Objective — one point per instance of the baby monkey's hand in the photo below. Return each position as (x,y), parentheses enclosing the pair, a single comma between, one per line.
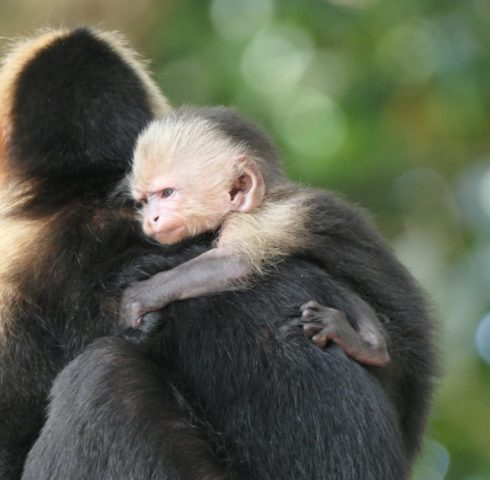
(324,325)
(139,299)
(134,304)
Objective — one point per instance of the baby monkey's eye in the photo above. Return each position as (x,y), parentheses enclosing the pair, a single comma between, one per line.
(167,192)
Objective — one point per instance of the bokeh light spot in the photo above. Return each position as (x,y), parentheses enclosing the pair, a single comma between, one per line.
(482,338)
(474,195)
(331,72)
(434,462)
(276,58)
(238,19)
(410,51)
(312,124)
(485,192)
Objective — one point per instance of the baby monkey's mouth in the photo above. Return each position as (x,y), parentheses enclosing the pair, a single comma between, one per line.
(171,235)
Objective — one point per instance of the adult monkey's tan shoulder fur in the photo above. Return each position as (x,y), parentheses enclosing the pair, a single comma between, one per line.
(27,234)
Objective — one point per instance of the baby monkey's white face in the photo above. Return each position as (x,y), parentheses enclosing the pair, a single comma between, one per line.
(184,191)
(173,209)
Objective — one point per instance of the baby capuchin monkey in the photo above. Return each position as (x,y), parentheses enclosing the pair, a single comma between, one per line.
(208,169)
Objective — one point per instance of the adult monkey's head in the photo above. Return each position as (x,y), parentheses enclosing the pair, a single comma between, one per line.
(72,103)
(76,128)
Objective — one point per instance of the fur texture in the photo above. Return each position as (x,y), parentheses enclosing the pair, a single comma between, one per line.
(220,387)
(270,406)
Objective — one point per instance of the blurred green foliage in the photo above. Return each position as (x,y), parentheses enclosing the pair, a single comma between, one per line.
(387,102)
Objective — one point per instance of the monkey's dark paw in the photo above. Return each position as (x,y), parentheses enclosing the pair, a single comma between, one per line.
(321,323)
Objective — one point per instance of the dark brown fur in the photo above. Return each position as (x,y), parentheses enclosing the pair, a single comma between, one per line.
(256,404)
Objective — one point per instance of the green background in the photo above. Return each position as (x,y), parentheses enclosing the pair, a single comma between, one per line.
(386,101)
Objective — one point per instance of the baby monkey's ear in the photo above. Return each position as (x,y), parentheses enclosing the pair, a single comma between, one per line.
(247,188)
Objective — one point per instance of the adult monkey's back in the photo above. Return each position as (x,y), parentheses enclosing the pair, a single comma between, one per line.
(76,106)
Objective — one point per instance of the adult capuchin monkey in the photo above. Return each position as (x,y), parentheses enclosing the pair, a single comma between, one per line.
(201,169)
(222,391)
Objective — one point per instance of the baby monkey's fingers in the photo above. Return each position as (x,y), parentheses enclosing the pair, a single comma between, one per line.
(325,325)
(133,305)
(319,322)
(311,321)
(131,314)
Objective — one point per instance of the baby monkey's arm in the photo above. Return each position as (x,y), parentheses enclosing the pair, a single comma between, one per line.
(217,270)
(220,270)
